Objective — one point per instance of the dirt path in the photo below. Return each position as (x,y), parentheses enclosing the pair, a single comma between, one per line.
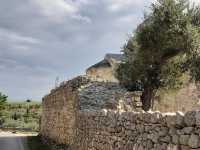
(10,141)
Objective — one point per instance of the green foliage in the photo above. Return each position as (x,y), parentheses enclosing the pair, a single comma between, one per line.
(11,123)
(22,115)
(195,15)
(3,100)
(164,46)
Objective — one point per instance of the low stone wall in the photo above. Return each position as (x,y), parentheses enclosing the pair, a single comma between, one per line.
(137,131)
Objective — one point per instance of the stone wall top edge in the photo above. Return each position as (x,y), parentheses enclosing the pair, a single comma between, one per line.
(66,84)
(106,112)
(178,119)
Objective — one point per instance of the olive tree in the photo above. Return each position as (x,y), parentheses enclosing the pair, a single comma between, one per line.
(164,47)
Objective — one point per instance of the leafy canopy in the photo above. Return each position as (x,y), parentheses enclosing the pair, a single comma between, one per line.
(164,46)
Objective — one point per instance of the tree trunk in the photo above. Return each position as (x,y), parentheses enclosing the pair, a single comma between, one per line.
(146,98)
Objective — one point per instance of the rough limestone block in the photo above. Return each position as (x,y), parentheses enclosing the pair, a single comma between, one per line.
(194,141)
(166,139)
(174,119)
(197,116)
(163,131)
(175,139)
(182,147)
(172,131)
(188,130)
(190,118)
(184,139)
(172,147)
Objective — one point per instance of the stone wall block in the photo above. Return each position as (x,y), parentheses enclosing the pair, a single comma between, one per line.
(175,139)
(197,116)
(184,139)
(190,118)
(175,119)
(194,141)
(188,130)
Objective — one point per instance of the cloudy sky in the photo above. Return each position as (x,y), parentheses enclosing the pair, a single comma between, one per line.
(44,39)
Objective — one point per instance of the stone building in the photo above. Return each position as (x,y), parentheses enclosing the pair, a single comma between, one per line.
(105,69)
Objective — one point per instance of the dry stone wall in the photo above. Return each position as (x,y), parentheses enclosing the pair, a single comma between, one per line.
(106,95)
(137,131)
(61,106)
(59,112)
(87,115)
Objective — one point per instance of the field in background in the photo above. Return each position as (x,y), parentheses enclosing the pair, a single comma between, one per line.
(22,116)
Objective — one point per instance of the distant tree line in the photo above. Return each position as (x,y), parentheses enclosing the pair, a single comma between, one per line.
(3,100)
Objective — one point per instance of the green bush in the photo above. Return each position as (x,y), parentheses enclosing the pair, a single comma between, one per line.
(10,123)
(21,115)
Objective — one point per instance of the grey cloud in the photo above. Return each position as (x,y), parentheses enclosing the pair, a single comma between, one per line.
(36,47)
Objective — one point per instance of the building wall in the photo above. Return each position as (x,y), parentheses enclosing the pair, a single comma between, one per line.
(102,74)
(184,99)
(137,131)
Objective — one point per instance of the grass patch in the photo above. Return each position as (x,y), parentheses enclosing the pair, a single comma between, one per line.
(35,143)
(22,115)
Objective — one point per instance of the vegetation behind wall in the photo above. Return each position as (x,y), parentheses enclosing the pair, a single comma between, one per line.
(21,115)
